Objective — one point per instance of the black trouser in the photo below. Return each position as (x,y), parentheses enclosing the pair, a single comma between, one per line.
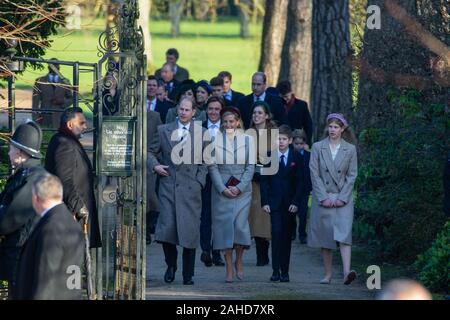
(205,221)
(281,240)
(262,251)
(302,213)
(171,255)
(152,218)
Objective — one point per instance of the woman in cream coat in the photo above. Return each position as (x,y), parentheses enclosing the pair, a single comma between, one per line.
(334,169)
(231,205)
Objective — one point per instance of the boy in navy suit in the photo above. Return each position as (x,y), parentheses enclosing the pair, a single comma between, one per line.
(300,145)
(280,197)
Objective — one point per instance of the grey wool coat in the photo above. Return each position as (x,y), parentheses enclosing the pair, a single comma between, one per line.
(334,180)
(180,197)
(230,225)
(153,121)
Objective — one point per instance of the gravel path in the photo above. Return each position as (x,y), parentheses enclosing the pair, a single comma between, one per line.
(306,271)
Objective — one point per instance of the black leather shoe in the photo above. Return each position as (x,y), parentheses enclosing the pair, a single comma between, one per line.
(206,258)
(284,278)
(275,277)
(188,281)
(218,262)
(169,276)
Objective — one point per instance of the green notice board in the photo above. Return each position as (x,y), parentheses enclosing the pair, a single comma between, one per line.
(118,146)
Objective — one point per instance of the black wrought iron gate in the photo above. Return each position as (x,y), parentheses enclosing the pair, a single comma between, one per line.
(122,189)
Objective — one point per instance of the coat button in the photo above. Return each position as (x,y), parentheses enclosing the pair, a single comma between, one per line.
(327,182)
(178,184)
(326,170)
(339,171)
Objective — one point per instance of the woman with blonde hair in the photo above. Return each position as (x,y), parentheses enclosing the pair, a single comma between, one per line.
(334,168)
(231,173)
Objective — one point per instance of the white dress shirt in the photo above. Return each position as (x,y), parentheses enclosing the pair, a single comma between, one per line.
(213,128)
(286,154)
(335,151)
(183,132)
(151,104)
(228,95)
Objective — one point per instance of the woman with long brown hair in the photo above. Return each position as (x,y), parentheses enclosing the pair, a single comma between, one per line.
(259,221)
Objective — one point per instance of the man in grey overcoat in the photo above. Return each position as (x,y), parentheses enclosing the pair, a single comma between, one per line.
(182,177)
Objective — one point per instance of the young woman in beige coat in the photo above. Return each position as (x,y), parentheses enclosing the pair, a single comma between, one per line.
(334,169)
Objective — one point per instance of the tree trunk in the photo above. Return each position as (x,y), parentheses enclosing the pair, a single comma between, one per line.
(274,28)
(405,60)
(143,22)
(331,78)
(296,58)
(175,11)
(244,12)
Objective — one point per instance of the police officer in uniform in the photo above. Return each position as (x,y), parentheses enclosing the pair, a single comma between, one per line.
(17,216)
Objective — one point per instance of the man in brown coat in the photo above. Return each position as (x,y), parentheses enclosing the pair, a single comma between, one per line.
(51,92)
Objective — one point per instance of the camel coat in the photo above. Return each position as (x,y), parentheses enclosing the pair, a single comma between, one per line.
(334,180)
(180,194)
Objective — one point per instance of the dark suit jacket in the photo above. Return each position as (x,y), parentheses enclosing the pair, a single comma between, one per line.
(235,97)
(153,121)
(300,118)
(67,160)
(162,107)
(285,187)
(307,185)
(172,94)
(56,243)
(181,75)
(276,107)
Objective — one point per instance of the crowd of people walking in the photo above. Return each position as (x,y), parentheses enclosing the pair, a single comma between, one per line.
(254,175)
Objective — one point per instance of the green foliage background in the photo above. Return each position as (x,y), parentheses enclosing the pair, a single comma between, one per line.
(399,208)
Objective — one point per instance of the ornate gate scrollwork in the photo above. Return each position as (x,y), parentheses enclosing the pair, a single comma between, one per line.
(121,156)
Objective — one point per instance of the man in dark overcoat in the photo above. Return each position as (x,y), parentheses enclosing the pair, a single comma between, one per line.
(67,159)
(17,216)
(51,261)
(297,111)
(259,86)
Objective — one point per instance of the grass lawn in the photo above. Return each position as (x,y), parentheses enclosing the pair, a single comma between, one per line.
(205,49)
